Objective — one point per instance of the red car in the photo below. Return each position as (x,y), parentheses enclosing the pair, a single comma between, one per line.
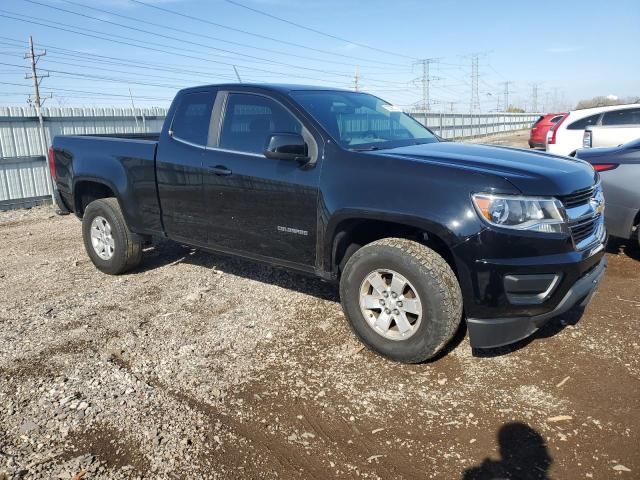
(541,127)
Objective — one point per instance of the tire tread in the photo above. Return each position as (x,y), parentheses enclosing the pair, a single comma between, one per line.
(435,267)
(132,250)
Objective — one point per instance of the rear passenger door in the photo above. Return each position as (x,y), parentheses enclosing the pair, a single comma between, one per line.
(618,127)
(260,206)
(180,168)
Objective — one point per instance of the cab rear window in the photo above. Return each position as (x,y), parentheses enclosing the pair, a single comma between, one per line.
(192,117)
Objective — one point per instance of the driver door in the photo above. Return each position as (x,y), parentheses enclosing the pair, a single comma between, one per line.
(262,207)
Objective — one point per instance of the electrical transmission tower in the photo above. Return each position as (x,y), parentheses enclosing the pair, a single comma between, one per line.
(38,101)
(534,97)
(475,78)
(506,94)
(425,80)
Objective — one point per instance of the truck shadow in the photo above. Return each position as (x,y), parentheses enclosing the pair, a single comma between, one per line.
(167,253)
(523,455)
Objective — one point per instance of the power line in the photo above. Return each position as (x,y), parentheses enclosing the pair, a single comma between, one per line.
(107,60)
(182,52)
(185,55)
(304,27)
(226,27)
(104,94)
(98,77)
(110,69)
(168,27)
(169,37)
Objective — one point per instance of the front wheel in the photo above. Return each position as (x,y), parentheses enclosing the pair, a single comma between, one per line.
(112,247)
(401,299)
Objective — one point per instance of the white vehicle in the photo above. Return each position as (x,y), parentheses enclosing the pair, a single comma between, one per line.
(615,130)
(566,136)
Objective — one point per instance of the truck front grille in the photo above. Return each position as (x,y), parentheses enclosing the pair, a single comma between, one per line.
(583,229)
(577,198)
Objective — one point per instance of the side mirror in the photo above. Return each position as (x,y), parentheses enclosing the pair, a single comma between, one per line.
(287,146)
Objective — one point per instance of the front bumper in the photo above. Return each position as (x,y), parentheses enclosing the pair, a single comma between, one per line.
(496,332)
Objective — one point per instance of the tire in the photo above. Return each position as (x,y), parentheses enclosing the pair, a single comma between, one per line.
(125,248)
(430,281)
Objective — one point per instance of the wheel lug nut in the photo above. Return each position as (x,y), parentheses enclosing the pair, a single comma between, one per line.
(394,294)
(381,301)
(396,312)
(387,311)
(399,303)
(385,294)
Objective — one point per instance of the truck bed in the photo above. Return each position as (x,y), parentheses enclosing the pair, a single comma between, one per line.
(121,162)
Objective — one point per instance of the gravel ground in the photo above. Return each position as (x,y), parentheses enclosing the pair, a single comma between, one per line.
(202,366)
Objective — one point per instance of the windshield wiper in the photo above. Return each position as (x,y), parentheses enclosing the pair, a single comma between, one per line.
(365,149)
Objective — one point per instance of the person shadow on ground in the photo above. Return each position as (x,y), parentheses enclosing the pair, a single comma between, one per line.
(524,456)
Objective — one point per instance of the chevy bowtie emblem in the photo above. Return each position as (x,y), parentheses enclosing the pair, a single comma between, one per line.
(597,203)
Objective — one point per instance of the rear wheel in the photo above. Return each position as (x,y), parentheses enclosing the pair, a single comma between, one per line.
(112,247)
(401,299)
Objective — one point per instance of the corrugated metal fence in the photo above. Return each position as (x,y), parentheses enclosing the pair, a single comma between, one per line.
(469,125)
(23,175)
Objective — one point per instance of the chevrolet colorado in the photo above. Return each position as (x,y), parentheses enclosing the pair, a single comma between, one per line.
(419,233)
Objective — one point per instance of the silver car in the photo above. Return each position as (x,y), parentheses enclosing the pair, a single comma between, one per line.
(619,169)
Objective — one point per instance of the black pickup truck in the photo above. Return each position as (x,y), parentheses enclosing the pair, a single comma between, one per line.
(420,233)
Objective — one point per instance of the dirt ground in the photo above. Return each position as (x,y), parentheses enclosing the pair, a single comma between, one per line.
(202,366)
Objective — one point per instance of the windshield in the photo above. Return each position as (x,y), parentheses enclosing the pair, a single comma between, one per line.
(360,121)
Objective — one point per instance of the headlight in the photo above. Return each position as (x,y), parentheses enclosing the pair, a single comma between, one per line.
(539,214)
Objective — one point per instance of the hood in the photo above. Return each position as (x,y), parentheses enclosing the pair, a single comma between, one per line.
(531,172)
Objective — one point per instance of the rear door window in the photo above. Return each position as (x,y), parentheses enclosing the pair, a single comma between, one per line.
(557,118)
(192,117)
(250,119)
(628,116)
(584,122)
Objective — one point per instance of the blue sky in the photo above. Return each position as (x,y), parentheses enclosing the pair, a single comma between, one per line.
(571,49)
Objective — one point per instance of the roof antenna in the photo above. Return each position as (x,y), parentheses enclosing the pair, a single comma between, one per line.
(237,74)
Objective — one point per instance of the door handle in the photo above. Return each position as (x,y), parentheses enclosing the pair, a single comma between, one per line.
(221,170)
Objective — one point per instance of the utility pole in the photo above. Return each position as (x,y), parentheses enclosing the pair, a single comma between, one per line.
(356,80)
(475,77)
(34,57)
(425,80)
(506,94)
